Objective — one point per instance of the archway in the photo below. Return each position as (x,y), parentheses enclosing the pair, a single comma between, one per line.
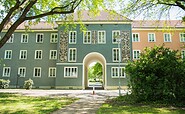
(88,59)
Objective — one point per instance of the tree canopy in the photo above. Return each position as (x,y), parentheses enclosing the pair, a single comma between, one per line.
(15,12)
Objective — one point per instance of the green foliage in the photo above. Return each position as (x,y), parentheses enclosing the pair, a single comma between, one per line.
(95,71)
(4,83)
(28,84)
(159,74)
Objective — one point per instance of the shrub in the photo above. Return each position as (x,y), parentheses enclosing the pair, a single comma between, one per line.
(159,74)
(28,84)
(4,83)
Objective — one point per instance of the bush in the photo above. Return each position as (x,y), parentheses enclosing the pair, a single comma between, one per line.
(159,74)
(28,84)
(4,83)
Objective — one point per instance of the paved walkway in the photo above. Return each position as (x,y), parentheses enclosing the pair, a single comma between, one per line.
(88,103)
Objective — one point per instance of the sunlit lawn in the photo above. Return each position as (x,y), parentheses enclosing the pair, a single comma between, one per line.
(19,104)
(122,107)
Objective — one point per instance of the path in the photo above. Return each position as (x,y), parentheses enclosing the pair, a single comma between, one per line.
(87,103)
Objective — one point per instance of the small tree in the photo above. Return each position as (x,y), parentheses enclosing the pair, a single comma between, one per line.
(159,74)
(4,83)
(28,84)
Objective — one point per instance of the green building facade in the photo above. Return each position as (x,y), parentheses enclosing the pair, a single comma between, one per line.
(55,58)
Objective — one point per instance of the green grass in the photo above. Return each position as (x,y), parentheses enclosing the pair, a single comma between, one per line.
(123,106)
(19,104)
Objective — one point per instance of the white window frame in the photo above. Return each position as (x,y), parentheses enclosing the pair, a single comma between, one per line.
(87,37)
(5,73)
(73,55)
(53,54)
(183,54)
(134,39)
(117,54)
(8,54)
(52,72)
(36,54)
(73,37)
(122,75)
(22,52)
(37,68)
(41,40)
(168,39)
(22,71)
(114,39)
(70,74)
(102,40)
(10,40)
(54,38)
(137,56)
(24,38)
(150,39)
(182,37)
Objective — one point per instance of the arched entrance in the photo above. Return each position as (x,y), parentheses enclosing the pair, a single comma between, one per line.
(88,59)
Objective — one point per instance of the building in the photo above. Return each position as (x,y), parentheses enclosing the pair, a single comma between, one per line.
(55,58)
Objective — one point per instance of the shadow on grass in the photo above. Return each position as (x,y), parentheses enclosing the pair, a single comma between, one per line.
(122,106)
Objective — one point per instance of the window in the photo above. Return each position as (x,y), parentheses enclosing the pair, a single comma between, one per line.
(24,38)
(8,54)
(10,40)
(70,71)
(116,54)
(72,55)
(22,71)
(151,37)
(115,72)
(87,37)
(52,71)
(37,72)
(182,37)
(39,37)
(23,54)
(38,54)
(135,37)
(53,54)
(167,37)
(183,54)
(6,71)
(115,34)
(72,37)
(101,37)
(136,54)
(54,38)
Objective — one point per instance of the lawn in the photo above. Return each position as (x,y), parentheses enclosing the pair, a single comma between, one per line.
(19,104)
(121,106)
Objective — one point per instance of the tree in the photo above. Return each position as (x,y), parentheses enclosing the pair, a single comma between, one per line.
(15,12)
(155,8)
(95,71)
(158,75)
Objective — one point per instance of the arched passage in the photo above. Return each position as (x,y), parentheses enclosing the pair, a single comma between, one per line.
(88,59)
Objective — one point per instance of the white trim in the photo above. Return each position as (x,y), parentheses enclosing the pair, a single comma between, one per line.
(55,57)
(118,72)
(42,34)
(52,68)
(119,56)
(72,37)
(40,71)
(72,54)
(76,73)
(97,22)
(169,37)
(51,38)
(154,37)
(20,73)
(5,54)
(137,55)
(11,39)
(36,54)
(113,34)
(27,36)
(102,31)
(85,34)
(8,73)
(180,37)
(20,54)
(138,36)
